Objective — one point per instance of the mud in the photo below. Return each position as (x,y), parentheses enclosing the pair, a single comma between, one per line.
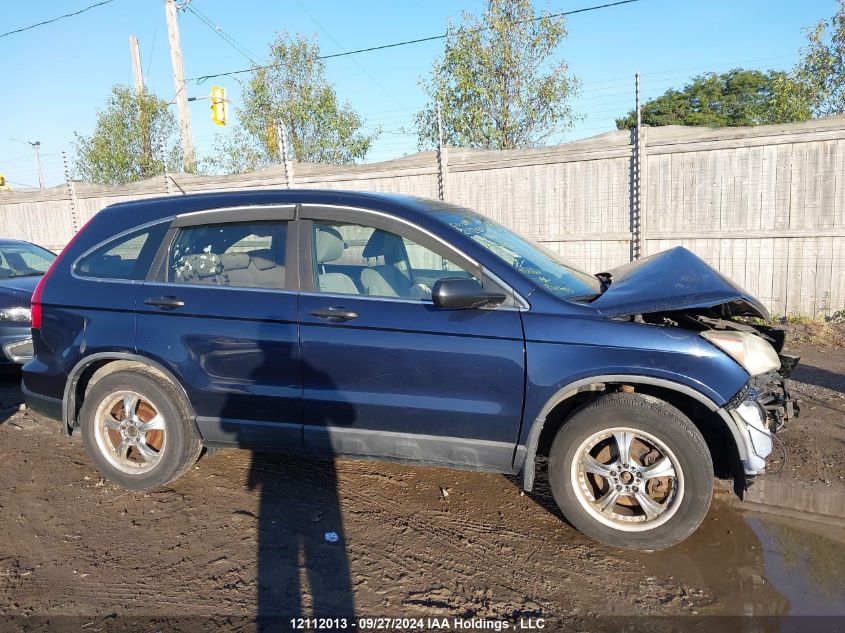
(244,534)
(814,444)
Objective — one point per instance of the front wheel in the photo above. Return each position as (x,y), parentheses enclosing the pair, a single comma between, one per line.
(632,471)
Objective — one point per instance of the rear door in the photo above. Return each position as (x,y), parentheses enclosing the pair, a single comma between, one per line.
(220,310)
(385,372)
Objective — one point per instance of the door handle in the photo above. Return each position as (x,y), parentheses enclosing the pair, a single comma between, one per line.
(167,303)
(335,313)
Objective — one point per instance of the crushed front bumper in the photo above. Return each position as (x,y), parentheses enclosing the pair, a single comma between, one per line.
(759,410)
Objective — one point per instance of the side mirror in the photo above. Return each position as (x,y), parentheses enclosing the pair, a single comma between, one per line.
(460,293)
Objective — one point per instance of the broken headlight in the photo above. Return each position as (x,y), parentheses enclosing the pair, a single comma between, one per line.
(746,348)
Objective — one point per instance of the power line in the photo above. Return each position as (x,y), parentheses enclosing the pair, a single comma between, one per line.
(231,41)
(20,184)
(152,48)
(203,78)
(61,17)
(355,61)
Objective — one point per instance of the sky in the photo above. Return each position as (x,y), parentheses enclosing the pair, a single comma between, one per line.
(55,77)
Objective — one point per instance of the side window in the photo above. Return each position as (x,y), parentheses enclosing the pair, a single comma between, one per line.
(36,261)
(127,257)
(356,259)
(238,254)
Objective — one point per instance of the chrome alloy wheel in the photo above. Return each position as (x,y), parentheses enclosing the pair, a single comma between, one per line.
(627,479)
(130,432)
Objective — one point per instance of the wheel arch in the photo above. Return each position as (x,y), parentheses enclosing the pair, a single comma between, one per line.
(92,368)
(723,438)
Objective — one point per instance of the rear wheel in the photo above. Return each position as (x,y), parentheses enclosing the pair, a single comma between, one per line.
(136,430)
(631,471)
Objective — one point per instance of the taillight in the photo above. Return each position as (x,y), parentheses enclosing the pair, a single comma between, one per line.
(36,298)
(39,289)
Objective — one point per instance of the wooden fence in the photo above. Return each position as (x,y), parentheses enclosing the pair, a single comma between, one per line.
(765,205)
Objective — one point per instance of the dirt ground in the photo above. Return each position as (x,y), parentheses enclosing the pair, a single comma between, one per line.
(243,534)
(815,442)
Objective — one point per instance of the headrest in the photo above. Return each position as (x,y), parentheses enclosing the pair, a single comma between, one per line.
(383,244)
(234,261)
(201,265)
(330,245)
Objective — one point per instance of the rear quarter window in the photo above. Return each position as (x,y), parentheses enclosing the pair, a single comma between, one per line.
(126,257)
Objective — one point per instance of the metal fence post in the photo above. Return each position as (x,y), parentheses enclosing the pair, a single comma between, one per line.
(167,184)
(71,190)
(442,158)
(284,155)
(638,245)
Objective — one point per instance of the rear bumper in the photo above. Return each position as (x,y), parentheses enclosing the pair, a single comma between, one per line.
(43,405)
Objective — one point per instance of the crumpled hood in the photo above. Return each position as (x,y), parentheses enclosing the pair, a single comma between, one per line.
(673,280)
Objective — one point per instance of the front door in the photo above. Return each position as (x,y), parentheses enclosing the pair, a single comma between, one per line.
(385,372)
(222,315)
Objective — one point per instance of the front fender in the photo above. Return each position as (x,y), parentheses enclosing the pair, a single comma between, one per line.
(561,350)
(565,354)
(527,468)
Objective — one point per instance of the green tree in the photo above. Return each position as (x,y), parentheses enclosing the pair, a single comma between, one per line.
(292,90)
(818,80)
(737,97)
(497,84)
(125,145)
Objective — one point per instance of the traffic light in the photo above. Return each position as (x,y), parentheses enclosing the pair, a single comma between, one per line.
(218,105)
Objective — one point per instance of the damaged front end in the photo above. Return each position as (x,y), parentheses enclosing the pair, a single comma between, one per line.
(675,288)
(763,405)
(759,410)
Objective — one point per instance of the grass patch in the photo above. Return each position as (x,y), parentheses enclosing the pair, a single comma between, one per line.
(801,329)
(820,331)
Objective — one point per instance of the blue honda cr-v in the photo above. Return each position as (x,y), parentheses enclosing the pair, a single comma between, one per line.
(405,329)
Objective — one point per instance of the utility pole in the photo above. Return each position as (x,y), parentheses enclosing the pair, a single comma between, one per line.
(146,140)
(179,84)
(36,149)
(135,51)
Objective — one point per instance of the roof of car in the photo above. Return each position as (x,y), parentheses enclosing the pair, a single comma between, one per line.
(7,240)
(175,205)
(126,215)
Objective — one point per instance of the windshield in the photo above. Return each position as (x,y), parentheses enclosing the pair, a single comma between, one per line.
(20,259)
(539,264)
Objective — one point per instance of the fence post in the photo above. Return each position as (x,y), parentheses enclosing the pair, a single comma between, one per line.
(71,189)
(284,155)
(638,239)
(442,158)
(167,185)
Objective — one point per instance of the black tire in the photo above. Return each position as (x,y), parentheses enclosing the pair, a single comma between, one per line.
(183,443)
(661,421)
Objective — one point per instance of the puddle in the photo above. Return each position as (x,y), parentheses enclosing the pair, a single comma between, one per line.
(804,562)
(757,565)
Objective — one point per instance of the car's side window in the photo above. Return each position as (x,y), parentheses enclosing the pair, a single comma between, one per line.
(238,254)
(126,257)
(356,259)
